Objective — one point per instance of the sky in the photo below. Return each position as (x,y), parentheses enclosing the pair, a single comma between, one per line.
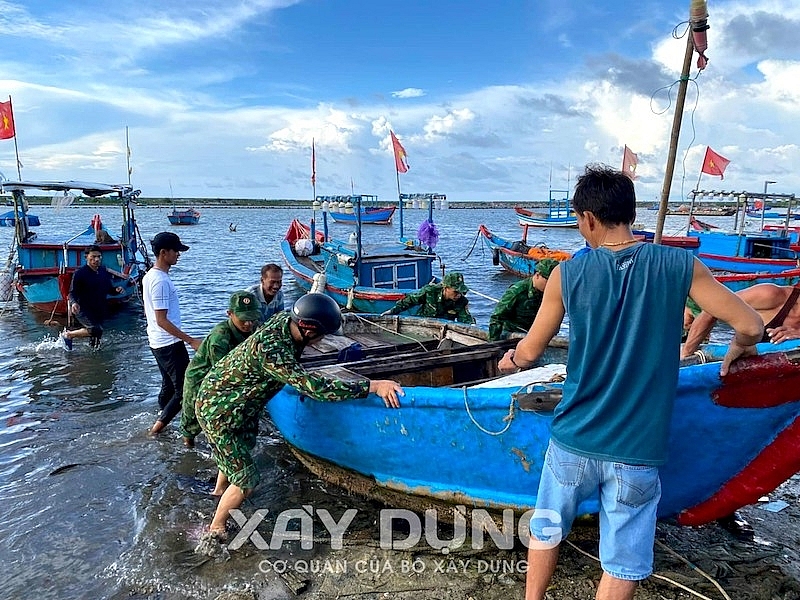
(491,100)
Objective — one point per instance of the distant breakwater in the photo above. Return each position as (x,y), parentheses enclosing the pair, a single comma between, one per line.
(306,204)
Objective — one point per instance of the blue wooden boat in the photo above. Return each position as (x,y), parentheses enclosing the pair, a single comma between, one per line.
(766,251)
(9,219)
(559,213)
(732,441)
(517,257)
(342,209)
(367,278)
(46,260)
(188,216)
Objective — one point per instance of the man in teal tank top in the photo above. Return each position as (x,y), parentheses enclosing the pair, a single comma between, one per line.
(625,302)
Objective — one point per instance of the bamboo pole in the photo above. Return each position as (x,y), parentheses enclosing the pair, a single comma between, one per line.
(673,143)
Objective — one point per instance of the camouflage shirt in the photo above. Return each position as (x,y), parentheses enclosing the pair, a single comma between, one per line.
(516,310)
(432,303)
(219,341)
(236,390)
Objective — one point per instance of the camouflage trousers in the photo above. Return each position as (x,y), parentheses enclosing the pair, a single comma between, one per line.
(232,449)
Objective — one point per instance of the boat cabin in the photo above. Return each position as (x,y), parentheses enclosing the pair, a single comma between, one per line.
(383,266)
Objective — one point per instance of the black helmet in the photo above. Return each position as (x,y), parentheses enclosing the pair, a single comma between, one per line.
(317,311)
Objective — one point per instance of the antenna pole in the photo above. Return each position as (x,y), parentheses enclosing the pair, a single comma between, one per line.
(673,143)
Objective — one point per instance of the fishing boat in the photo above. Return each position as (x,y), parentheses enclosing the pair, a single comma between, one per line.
(47,260)
(559,213)
(732,440)
(375,338)
(342,209)
(518,257)
(703,211)
(367,278)
(765,251)
(188,216)
(9,219)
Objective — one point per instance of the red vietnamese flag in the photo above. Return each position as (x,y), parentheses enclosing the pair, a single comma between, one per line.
(629,162)
(400,156)
(6,121)
(714,164)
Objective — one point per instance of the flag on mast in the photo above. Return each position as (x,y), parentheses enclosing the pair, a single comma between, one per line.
(629,162)
(313,163)
(6,120)
(400,156)
(714,164)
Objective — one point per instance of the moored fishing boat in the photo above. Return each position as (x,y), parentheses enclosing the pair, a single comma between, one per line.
(518,257)
(9,219)
(559,213)
(188,216)
(368,278)
(744,252)
(732,439)
(46,260)
(342,209)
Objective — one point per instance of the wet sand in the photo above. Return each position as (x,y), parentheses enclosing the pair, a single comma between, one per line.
(707,561)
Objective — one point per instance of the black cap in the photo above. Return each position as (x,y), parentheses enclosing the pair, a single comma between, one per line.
(166,240)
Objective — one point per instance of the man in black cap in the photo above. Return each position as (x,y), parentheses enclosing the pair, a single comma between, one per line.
(167,340)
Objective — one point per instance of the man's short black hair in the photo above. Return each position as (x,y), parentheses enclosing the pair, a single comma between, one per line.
(93,248)
(607,193)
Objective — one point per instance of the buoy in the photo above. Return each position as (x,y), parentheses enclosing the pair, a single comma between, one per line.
(319,283)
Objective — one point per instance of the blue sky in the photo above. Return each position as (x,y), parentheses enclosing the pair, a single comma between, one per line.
(222,98)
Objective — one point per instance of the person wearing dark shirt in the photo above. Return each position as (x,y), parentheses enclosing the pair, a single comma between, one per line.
(91,285)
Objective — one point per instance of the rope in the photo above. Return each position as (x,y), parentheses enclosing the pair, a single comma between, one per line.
(667,579)
(695,567)
(471,291)
(472,246)
(508,418)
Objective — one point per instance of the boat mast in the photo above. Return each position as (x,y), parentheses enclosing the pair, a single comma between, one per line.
(400,201)
(673,143)
(128,154)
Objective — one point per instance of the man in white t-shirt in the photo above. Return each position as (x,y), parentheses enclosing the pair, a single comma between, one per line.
(166,339)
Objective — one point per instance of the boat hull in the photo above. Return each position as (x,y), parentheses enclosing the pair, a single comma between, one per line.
(509,255)
(556,216)
(184,217)
(369,216)
(494,446)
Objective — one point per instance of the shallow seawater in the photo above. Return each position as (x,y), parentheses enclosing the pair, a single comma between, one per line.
(93,507)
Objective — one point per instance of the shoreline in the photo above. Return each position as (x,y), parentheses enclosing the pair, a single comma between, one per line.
(207,203)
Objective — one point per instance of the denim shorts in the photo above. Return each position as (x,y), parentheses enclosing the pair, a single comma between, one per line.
(629,496)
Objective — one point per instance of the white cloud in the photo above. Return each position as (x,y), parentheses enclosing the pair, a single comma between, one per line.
(409,93)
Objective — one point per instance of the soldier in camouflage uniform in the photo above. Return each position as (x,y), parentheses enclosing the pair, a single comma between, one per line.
(244,314)
(518,307)
(444,300)
(233,395)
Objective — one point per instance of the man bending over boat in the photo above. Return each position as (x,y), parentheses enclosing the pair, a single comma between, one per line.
(236,390)
(520,303)
(625,302)
(776,305)
(446,300)
(244,315)
(88,297)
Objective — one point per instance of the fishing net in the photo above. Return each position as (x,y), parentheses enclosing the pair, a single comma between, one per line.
(428,234)
(62,200)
